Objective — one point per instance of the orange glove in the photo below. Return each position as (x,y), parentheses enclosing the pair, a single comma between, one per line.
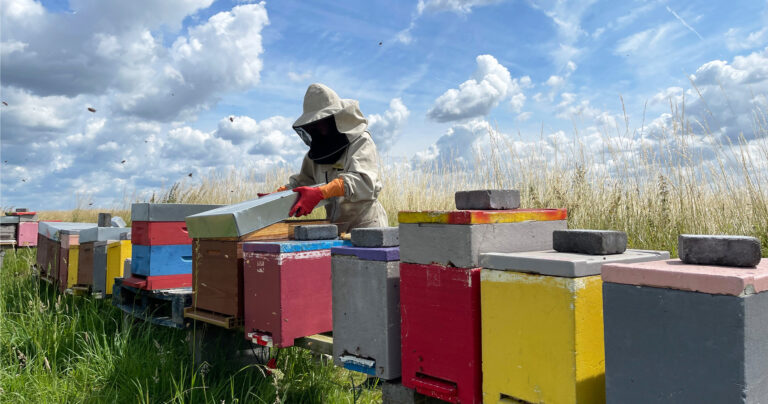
(281,189)
(309,197)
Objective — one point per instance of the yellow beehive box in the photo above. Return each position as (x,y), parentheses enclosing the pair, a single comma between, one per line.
(74,253)
(542,325)
(117,252)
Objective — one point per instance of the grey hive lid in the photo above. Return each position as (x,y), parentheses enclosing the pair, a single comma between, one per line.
(242,218)
(51,230)
(102,233)
(166,212)
(568,265)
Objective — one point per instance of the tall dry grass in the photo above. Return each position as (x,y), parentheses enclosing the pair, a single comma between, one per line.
(653,186)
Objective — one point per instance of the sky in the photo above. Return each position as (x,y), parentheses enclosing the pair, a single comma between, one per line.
(102,99)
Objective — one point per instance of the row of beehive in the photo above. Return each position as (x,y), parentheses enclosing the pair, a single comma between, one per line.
(538,337)
(506,326)
(82,256)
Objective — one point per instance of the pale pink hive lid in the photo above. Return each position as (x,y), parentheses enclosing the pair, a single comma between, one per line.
(674,274)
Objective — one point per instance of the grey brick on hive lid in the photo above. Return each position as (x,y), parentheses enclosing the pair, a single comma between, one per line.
(488,199)
(593,242)
(734,251)
(376,237)
(316,232)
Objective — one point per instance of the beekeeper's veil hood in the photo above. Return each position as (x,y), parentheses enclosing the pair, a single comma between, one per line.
(328,123)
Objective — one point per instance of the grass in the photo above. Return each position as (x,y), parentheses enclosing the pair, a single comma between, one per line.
(63,349)
(654,187)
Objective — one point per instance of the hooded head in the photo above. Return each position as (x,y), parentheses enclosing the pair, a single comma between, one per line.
(328,123)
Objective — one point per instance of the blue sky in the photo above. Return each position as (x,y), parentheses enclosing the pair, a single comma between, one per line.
(432,76)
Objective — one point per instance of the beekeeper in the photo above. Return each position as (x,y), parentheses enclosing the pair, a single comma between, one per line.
(342,157)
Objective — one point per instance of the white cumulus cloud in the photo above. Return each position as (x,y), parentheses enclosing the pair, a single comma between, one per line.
(454,149)
(385,128)
(489,85)
(109,109)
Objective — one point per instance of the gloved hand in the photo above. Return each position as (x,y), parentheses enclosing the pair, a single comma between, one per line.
(309,197)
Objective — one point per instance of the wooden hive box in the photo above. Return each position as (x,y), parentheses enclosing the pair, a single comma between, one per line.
(85,264)
(217,272)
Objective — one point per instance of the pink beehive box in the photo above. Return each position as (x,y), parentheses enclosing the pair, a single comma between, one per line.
(27,236)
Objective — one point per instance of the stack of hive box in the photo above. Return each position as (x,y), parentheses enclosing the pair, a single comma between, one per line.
(162,248)
(217,253)
(542,322)
(440,284)
(693,330)
(94,272)
(8,226)
(366,303)
(49,246)
(287,286)
(18,228)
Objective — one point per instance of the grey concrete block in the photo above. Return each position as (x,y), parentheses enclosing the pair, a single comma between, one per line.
(672,346)
(733,251)
(366,312)
(167,212)
(392,392)
(568,265)
(102,233)
(316,232)
(461,245)
(104,220)
(595,242)
(126,235)
(488,199)
(374,237)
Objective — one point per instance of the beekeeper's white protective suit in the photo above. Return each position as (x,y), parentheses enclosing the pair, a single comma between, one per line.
(351,156)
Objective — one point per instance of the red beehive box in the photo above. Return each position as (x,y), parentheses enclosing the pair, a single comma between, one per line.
(440,310)
(159,233)
(287,290)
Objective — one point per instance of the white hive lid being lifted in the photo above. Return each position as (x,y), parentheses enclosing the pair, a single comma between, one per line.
(242,218)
